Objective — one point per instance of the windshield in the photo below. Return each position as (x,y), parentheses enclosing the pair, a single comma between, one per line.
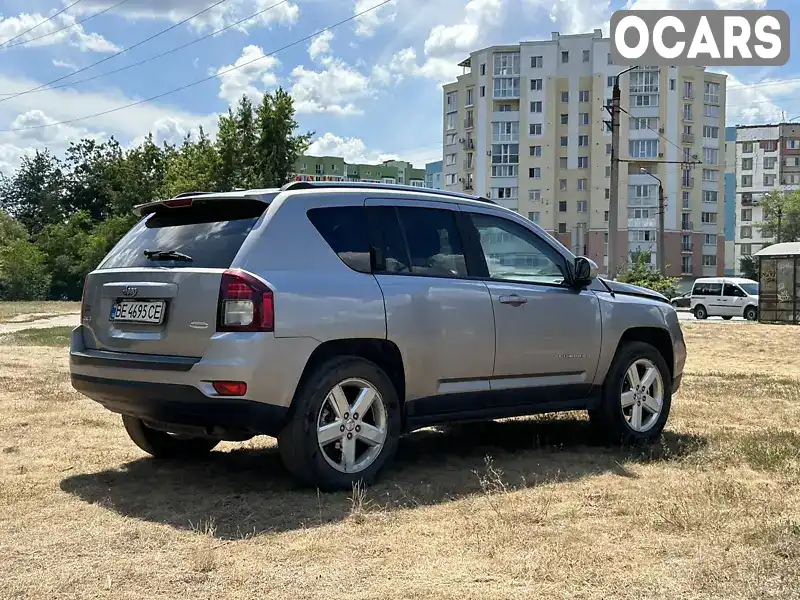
(751,289)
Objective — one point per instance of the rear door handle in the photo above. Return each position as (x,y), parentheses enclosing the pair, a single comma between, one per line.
(513,300)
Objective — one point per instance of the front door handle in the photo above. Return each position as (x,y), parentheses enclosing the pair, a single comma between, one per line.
(513,300)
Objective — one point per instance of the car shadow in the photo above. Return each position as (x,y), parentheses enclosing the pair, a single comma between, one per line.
(248,492)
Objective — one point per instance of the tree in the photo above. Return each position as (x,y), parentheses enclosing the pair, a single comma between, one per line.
(781,208)
(66,247)
(193,167)
(748,265)
(640,271)
(23,272)
(278,147)
(35,192)
(11,229)
(91,177)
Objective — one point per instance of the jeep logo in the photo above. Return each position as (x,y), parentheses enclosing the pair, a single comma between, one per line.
(129,291)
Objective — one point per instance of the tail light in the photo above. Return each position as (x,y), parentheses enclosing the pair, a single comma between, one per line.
(230,388)
(83,298)
(245,303)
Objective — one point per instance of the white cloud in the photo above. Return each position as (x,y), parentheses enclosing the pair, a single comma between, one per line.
(320,48)
(404,64)
(354,150)
(367,24)
(216,18)
(447,41)
(246,78)
(334,90)
(760,101)
(64,64)
(581,16)
(75,36)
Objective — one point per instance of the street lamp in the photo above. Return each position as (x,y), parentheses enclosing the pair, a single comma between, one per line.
(660,244)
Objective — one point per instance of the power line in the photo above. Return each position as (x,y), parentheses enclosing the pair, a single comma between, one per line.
(146,60)
(75,24)
(661,135)
(199,81)
(48,19)
(144,41)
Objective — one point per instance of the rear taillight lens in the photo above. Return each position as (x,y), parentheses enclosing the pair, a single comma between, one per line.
(230,388)
(245,303)
(83,298)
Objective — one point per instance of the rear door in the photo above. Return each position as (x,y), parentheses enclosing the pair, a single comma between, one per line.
(715,303)
(734,299)
(142,302)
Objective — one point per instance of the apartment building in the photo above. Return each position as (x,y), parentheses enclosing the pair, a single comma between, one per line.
(767,159)
(730,201)
(334,168)
(433,175)
(526,126)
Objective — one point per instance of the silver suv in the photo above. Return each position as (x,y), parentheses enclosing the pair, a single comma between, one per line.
(337,317)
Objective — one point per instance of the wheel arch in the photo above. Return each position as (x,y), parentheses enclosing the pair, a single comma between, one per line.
(657,337)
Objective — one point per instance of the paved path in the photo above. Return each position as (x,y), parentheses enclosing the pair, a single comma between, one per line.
(685,315)
(70,320)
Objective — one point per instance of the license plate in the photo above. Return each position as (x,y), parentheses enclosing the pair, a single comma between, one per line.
(138,311)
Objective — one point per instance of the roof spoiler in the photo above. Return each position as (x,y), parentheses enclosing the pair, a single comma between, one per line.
(187,199)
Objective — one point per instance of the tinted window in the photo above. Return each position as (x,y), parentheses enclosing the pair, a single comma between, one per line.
(210,232)
(514,253)
(392,256)
(707,289)
(345,230)
(732,290)
(434,244)
(750,288)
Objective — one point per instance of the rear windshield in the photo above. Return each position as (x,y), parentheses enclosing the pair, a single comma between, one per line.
(209,232)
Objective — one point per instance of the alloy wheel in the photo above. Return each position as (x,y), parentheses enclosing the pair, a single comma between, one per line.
(352,426)
(642,397)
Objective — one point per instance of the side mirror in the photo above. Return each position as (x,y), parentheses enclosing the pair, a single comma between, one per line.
(585,271)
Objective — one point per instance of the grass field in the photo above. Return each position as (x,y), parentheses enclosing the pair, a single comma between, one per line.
(520,509)
(26,312)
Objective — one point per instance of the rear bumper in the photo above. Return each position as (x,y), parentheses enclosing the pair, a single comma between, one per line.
(184,406)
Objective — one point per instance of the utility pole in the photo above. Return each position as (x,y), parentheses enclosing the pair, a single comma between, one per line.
(662,208)
(780,218)
(613,201)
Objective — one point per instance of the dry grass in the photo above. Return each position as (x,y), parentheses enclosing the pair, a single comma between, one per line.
(26,312)
(500,510)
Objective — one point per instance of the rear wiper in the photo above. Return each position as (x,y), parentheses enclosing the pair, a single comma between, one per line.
(167,255)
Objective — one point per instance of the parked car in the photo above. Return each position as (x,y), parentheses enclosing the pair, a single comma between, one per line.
(725,297)
(337,317)
(682,301)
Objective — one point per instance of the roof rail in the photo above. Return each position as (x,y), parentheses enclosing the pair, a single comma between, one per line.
(310,185)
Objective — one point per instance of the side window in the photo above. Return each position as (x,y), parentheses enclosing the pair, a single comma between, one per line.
(344,228)
(514,253)
(392,256)
(732,290)
(713,289)
(434,243)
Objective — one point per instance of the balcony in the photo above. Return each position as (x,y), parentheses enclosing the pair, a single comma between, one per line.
(687,248)
(688,138)
(468,185)
(687,183)
(688,95)
(687,226)
(468,144)
(749,201)
(469,123)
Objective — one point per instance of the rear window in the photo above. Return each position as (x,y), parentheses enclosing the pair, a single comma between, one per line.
(345,230)
(707,289)
(209,232)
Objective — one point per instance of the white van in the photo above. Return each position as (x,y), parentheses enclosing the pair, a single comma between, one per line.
(725,297)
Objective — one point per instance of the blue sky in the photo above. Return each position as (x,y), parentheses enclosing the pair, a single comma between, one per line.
(369,89)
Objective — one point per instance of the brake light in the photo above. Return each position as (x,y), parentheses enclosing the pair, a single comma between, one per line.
(245,303)
(83,297)
(230,388)
(178,203)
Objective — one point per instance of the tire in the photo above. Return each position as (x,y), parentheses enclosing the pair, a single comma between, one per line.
(751,313)
(700,312)
(728,318)
(161,444)
(610,419)
(319,464)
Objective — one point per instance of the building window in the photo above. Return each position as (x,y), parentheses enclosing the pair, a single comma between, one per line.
(503,108)
(746,249)
(564,57)
(710,156)
(643,149)
(746,231)
(608,172)
(747,147)
(770,161)
(537,62)
(450,121)
(534,217)
(562,162)
(535,129)
(747,214)
(747,181)
(583,96)
(711,133)
(709,196)
(470,97)
(506,87)
(688,90)
(710,239)
(450,139)
(644,82)
(583,118)
(605,218)
(711,110)
(769,179)
(610,81)
(687,112)
(608,151)
(583,162)
(506,64)
(747,164)
(793,144)
(505,131)
(535,173)
(585,56)
(483,68)
(582,188)
(672,84)
(710,175)
(564,141)
(709,260)
(610,60)
(318,169)
(504,193)
(534,195)
(562,185)
(483,91)
(562,228)
(638,123)
(565,97)
(709,218)
(536,85)
(564,119)
(644,100)
(686,264)
(711,93)
(536,107)
(582,206)
(583,141)
(536,150)
(451,101)
(562,206)
(607,193)
(769,146)
(450,178)
(450,160)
